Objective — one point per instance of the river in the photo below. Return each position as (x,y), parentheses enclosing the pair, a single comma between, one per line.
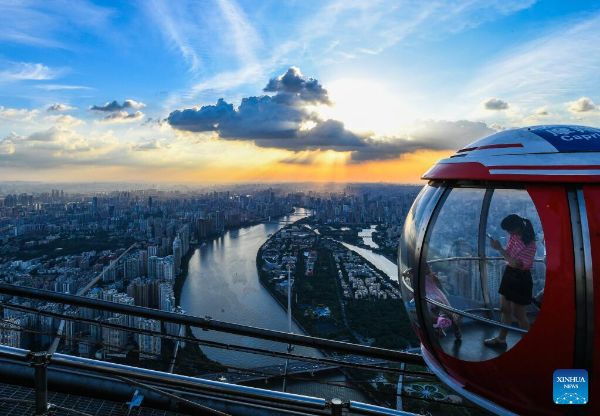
(367,236)
(379,261)
(223,282)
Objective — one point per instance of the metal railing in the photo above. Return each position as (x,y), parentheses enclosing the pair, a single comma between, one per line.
(207,323)
(465,313)
(161,383)
(206,387)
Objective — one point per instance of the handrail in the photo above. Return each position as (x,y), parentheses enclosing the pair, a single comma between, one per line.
(215,344)
(409,270)
(472,316)
(536,260)
(191,384)
(207,323)
(172,380)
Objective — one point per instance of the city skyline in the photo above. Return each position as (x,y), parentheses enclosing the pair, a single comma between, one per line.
(230,91)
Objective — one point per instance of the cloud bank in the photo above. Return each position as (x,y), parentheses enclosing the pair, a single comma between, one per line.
(279,121)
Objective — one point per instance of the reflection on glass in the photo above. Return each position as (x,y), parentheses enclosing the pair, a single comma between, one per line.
(406,250)
(453,277)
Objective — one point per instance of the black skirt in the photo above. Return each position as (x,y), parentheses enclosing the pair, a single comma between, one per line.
(517,285)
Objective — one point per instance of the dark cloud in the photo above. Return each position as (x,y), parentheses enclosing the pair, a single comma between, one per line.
(272,121)
(284,121)
(60,107)
(122,117)
(114,106)
(207,118)
(293,86)
(495,104)
(266,122)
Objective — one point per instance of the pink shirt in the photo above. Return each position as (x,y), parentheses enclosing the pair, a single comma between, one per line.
(522,252)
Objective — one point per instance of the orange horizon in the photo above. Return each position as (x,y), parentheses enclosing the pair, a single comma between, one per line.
(407,169)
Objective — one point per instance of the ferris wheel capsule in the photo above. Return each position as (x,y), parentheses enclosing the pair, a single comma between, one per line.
(498,262)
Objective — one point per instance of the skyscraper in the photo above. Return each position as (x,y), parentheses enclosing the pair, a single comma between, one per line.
(177,253)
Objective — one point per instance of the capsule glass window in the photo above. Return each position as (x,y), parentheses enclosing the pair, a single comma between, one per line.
(465,275)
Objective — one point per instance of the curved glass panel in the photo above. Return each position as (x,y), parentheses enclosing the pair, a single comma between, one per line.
(406,250)
(463,274)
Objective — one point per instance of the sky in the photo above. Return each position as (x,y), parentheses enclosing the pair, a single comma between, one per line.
(213,91)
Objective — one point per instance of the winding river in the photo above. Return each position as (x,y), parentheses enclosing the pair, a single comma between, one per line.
(223,283)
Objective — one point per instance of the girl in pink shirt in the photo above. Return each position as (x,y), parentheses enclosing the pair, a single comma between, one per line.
(517,285)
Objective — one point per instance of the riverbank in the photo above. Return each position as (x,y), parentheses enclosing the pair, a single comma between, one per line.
(181,278)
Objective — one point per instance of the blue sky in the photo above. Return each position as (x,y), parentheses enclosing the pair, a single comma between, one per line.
(400,77)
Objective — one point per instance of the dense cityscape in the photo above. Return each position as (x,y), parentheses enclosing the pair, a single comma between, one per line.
(134,246)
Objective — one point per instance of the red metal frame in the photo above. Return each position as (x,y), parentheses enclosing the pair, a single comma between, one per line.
(521,379)
(591,195)
(477,171)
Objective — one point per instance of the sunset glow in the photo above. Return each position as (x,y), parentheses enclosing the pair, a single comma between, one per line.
(188,93)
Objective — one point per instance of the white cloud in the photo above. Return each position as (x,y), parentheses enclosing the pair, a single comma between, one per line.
(583,105)
(559,63)
(64,120)
(23,71)
(542,112)
(51,23)
(152,144)
(192,30)
(7,147)
(57,87)
(370,27)
(17,115)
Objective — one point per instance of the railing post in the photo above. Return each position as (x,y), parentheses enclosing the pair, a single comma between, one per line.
(336,407)
(40,361)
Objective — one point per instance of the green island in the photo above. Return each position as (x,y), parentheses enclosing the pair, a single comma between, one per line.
(325,304)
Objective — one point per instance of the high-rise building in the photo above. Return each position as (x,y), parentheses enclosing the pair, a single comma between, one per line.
(113,339)
(166,297)
(177,253)
(144,292)
(152,267)
(152,251)
(131,267)
(10,332)
(111,273)
(165,269)
(149,345)
(70,331)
